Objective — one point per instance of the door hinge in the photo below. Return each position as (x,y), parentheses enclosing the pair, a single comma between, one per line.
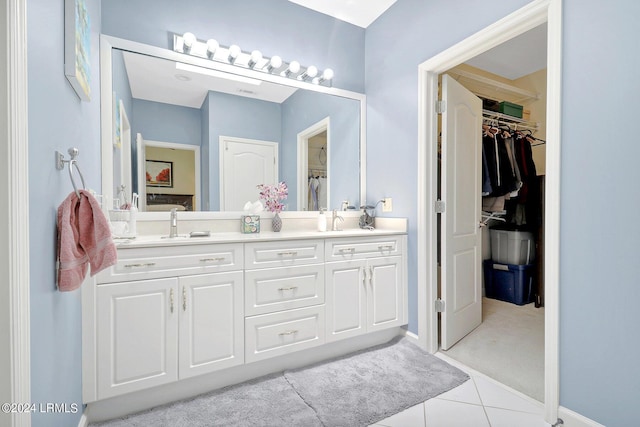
(441,106)
(439,306)
(439,206)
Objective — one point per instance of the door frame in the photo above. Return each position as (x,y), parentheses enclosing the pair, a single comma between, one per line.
(15,323)
(176,146)
(303,159)
(535,13)
(222,144)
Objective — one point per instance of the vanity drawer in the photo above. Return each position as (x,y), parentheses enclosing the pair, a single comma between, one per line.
(283,254)
(157,262)
(284,288)
(275,334)
(345,249)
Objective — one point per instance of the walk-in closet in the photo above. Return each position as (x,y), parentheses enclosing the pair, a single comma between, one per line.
(510,82)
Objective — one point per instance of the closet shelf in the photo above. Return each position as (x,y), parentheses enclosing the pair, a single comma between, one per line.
(510,120)
(513,93)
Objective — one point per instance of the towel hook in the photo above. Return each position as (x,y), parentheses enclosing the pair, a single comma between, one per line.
(60,161)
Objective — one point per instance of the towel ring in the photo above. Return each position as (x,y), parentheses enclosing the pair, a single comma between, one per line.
(60,161)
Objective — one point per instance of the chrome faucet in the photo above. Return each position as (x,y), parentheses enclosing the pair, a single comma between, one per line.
(173,231)
(334,219)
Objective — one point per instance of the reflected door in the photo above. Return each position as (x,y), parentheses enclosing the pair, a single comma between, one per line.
(245,163)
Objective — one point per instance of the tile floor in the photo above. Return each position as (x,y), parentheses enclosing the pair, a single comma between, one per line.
(479,402)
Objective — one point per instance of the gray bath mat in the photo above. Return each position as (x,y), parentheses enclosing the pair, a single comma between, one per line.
(365,387)
(268,401)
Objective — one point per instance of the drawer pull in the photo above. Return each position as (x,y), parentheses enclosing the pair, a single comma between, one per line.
(290,288)
(212,259)
(147,264)
(291,253)
(288,332)
(171,300)
(343,250)
(383,247)
(184,298)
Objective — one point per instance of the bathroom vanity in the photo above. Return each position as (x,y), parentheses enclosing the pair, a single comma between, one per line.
(174,309)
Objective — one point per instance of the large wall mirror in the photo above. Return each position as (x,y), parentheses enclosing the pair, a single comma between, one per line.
(185,132)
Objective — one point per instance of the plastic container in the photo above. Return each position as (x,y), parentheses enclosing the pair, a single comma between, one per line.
(512,246)
(322,220)
(511,109)
(510,283)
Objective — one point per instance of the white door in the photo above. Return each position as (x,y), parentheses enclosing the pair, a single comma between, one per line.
(461,244)
(142,181)
(245,163)
(211,323)
(137,330)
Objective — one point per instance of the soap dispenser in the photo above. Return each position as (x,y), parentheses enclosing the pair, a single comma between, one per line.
(322,221)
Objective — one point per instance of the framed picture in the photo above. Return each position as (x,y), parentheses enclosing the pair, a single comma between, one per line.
(77,47)
(159,173)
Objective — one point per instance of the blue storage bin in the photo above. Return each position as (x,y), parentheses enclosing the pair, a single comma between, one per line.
(509,282)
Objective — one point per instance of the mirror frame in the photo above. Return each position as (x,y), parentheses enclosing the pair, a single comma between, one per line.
(108,43)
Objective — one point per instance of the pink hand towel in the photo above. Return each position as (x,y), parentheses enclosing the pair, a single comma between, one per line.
(84,238)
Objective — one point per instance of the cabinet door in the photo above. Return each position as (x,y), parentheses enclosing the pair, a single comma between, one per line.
(346,312)
(137,335)
(385,293)
(211,323)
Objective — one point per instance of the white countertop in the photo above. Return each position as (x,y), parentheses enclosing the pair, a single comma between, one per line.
(238,237)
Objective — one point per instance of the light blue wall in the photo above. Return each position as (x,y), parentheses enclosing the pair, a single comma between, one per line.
(238,117)
(599,228)
(167,123)
(57,120)
(302,110)
(275,27)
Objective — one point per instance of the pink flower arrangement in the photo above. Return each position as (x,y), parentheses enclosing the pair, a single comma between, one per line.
(272,195)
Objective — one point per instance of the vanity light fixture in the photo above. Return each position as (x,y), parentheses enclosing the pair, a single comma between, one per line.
(212,50)
(215,73)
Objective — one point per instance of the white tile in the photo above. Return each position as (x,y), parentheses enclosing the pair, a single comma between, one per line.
(496,396)
(440,413)
(412,417)
(465,393)
(506,418)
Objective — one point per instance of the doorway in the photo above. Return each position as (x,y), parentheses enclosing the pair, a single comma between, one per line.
(313,166)
(519,22)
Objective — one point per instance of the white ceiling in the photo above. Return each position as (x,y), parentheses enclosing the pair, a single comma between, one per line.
(358,12)
(156,79)
(518,57)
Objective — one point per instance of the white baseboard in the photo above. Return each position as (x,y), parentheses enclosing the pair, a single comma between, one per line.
(84,421)
(573,419)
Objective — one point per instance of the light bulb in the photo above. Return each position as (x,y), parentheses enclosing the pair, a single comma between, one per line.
(293,68)
(310,73)
(188,39)
(256,56)
(328,74)
(274,63)
(212,46)
(234,52)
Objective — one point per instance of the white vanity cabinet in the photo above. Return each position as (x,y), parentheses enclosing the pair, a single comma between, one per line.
(172,326)
(168,312)
(365,285)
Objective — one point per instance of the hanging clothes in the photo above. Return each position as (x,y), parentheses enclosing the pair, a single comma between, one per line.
(312,203)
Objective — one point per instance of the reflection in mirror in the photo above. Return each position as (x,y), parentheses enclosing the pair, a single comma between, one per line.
(239,125)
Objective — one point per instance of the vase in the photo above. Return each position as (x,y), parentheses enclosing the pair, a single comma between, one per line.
(276,223)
